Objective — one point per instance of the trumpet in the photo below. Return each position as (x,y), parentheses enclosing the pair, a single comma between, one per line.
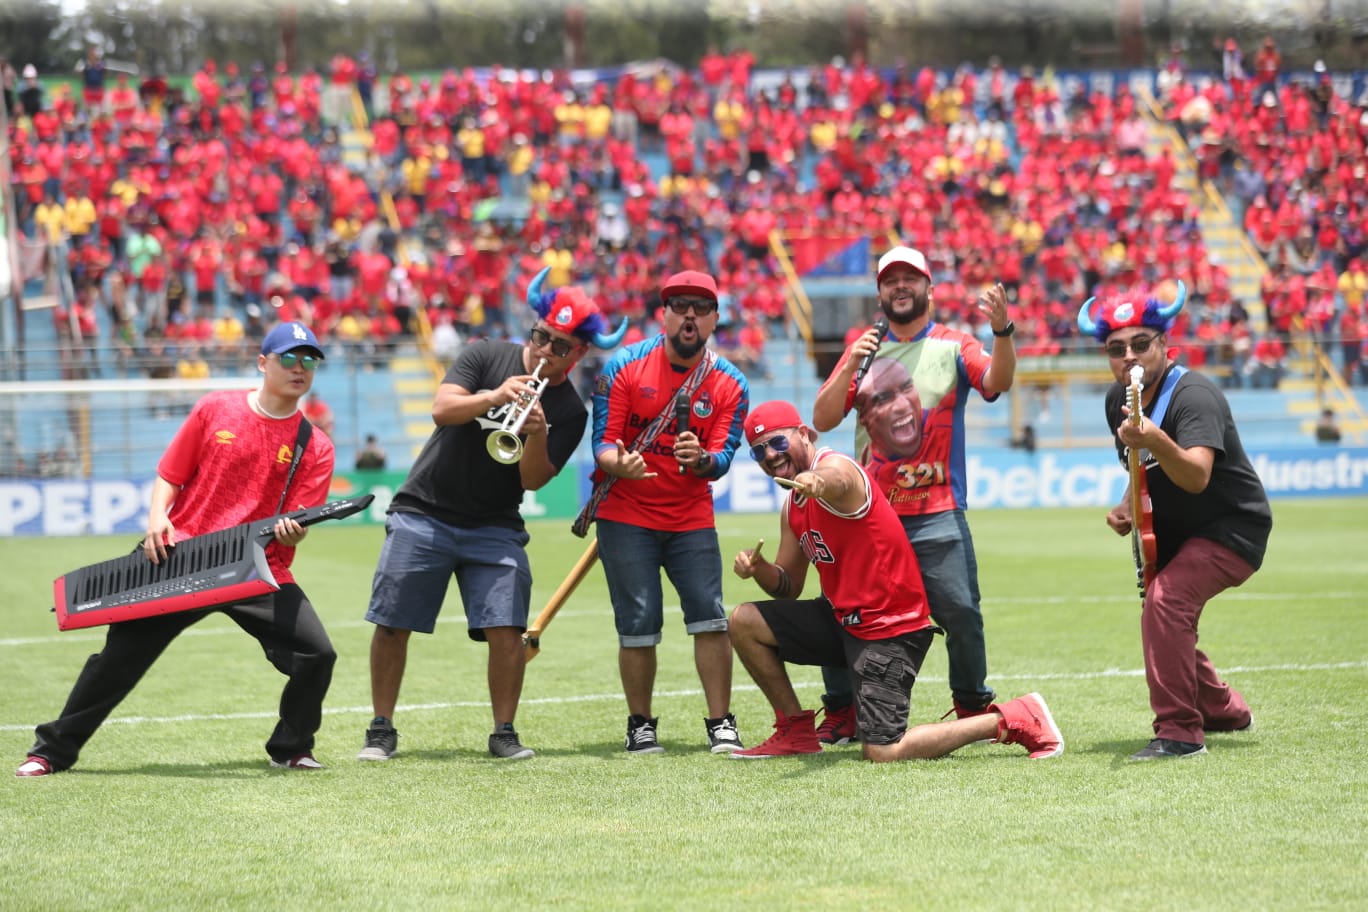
(504,444)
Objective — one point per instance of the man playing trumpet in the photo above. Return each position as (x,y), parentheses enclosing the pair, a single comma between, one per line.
(457,513)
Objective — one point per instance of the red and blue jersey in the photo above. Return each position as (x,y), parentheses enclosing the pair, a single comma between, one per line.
(868,570)
(636,385)
(231,464)
(945,364)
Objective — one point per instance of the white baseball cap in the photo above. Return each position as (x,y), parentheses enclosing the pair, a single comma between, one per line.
(906,255)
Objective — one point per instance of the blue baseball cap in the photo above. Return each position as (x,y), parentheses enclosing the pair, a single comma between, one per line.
(289,336)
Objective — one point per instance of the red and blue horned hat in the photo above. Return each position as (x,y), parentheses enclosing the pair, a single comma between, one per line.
(1121,312)
(570,310)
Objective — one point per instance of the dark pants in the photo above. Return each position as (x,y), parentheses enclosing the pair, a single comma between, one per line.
(286,626)
(1186,692)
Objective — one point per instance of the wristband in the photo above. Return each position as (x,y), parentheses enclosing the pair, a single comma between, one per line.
(1006,330)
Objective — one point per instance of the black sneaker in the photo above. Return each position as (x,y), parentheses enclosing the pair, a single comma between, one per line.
(723,737)
(381,741)
(1167,749)
(504,744)
(641,736)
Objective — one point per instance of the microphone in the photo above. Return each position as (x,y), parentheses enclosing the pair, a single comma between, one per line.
(881,325)
(681,419)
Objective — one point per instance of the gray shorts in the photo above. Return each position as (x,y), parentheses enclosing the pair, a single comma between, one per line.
(418,559)
(882,671)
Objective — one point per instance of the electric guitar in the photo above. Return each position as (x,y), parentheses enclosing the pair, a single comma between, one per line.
(1144,548)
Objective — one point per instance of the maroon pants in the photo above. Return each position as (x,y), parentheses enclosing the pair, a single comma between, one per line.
(1186,694)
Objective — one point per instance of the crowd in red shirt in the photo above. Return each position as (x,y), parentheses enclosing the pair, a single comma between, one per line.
(260,212)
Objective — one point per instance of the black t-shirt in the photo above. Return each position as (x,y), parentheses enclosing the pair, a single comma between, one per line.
(1233,509)
(454,478)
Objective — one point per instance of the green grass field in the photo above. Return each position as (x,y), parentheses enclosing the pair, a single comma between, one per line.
(173,805)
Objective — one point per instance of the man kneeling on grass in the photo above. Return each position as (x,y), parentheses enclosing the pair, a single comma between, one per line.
(872,617)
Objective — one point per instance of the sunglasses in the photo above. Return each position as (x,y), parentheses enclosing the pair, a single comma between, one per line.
(289,359)
(1138,344)
(779,444)
(541,338)
(701,306)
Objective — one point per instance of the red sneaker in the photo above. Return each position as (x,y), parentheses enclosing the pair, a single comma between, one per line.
(793,735)
(34,766)
(1027,721)
(838,726)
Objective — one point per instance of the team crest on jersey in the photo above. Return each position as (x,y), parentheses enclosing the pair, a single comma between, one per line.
(283,455)
(224,437)
(703,405)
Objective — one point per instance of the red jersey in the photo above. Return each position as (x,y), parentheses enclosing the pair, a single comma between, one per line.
(231,464)
(868,570)
(636,385)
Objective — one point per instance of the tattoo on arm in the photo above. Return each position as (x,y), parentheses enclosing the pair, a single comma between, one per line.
(783,585)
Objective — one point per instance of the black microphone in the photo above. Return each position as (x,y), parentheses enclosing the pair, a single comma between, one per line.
(681,418)
(881,325)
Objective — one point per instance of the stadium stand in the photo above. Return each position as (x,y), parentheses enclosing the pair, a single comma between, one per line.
(403,216)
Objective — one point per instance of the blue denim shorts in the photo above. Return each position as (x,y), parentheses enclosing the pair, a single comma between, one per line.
(633,557)
(418,559)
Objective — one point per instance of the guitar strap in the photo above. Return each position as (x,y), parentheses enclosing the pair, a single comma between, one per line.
(647,436)
(301,444)
(1161,402)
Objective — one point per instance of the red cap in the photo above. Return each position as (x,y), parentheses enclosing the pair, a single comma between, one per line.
(771,416)
(689,281)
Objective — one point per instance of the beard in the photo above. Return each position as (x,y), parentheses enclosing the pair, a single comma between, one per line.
(908,309)
(687,350)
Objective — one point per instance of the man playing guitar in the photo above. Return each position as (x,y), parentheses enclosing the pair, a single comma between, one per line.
(1211,517)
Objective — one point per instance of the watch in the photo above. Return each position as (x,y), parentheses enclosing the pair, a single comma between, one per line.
(1006,330)
(704,462)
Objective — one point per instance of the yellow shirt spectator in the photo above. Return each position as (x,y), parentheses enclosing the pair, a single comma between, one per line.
(127,191)
(1354,288)
(51,217)
(570,118)
(416,173)
(80,215)
(562,264)
(192,366)
(728,114)
(1030,235)
(472,142)
(823,135)
(520,159)
(597,120)
(539,193)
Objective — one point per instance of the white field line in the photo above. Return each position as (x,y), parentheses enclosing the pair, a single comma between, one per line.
(695,692)
(96,634)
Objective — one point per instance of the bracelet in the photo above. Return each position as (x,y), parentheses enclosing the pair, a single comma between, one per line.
(1006,330)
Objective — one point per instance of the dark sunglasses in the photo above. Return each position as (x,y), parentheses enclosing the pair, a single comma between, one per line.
(559,347)
(779,444)
(289,359)
(701,306)
(1138,344)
